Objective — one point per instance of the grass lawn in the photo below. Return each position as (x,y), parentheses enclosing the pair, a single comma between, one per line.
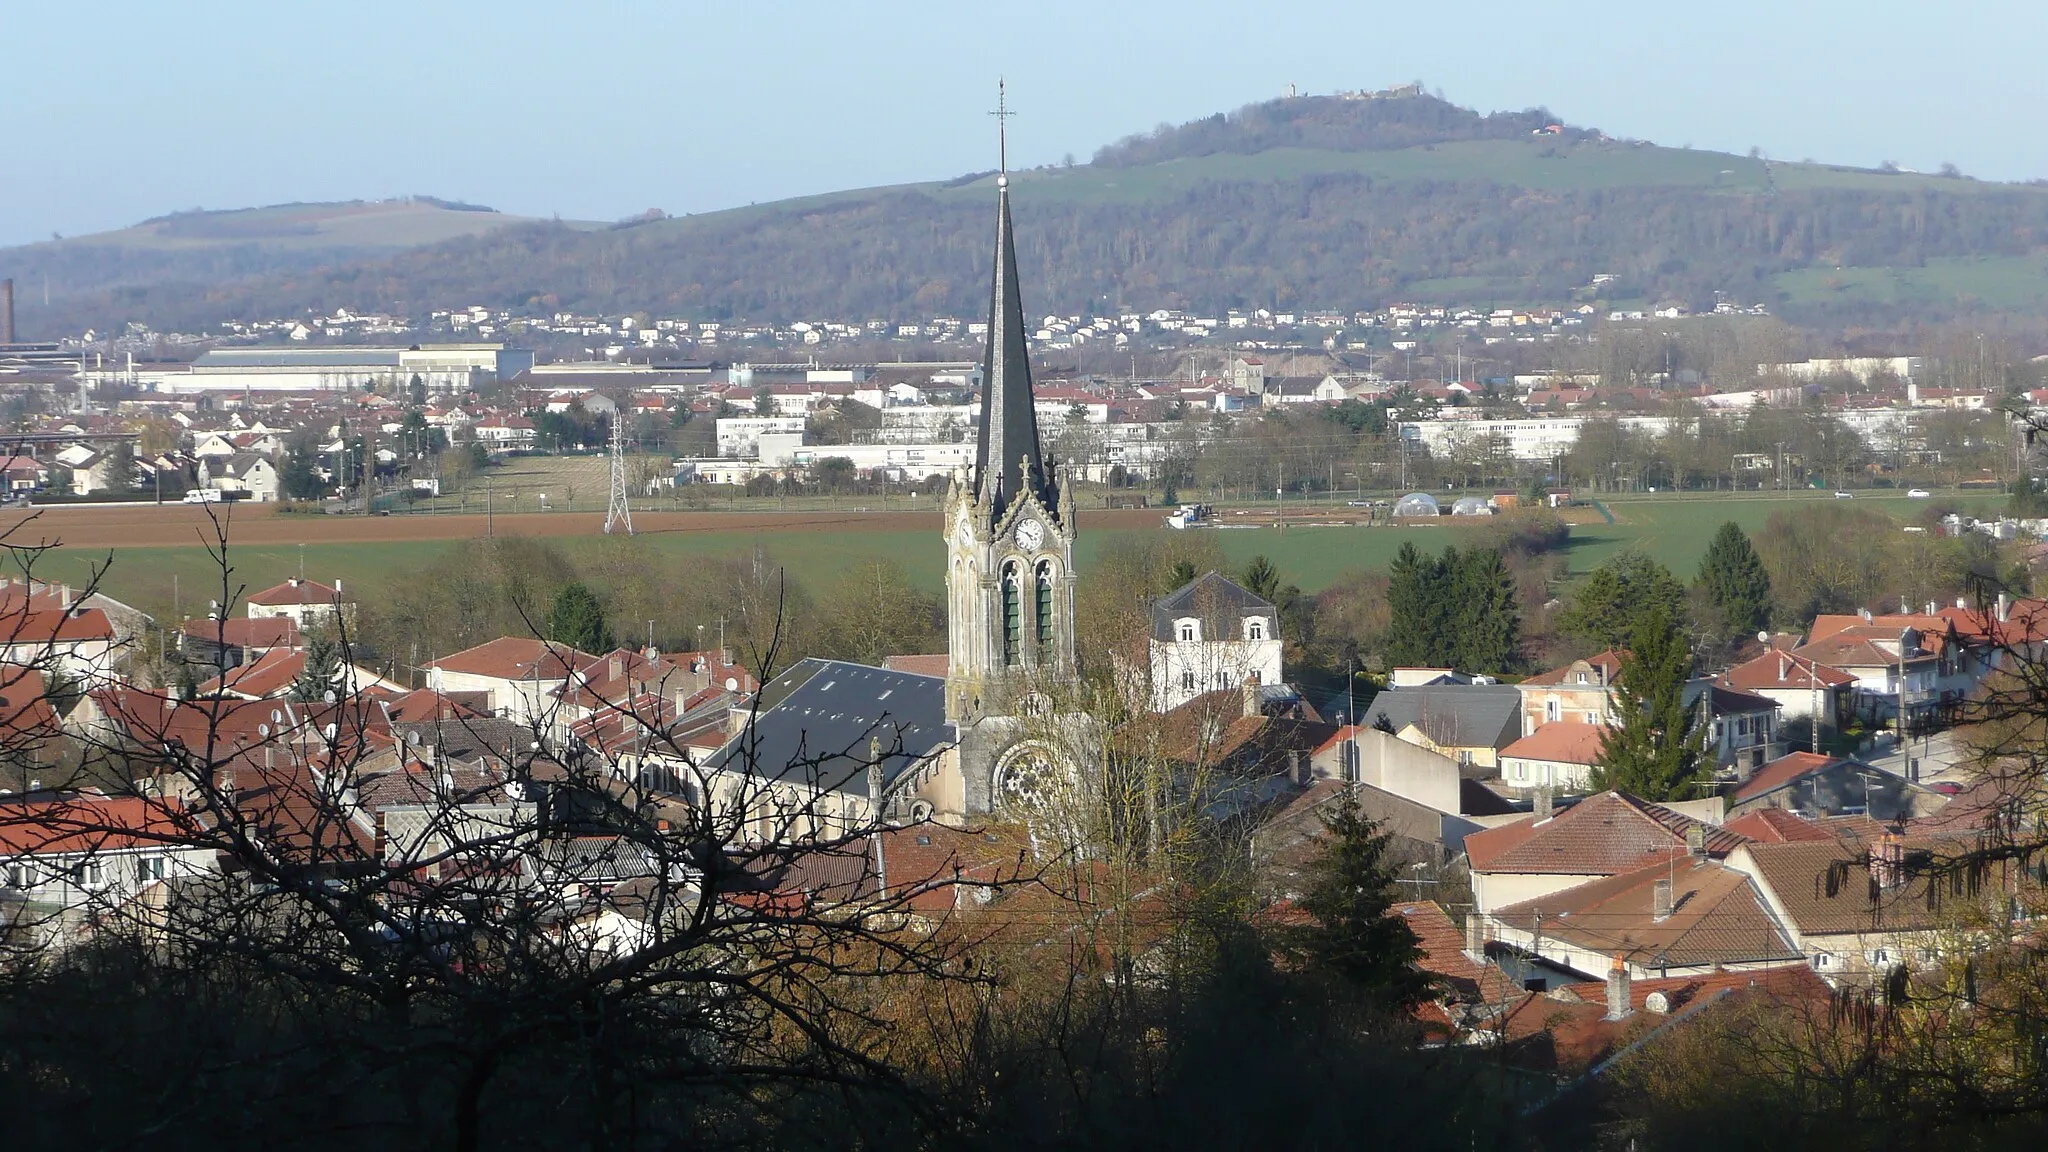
(1674,530)
(2019,282)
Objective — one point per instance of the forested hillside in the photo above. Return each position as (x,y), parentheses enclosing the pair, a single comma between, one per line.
(1310,203)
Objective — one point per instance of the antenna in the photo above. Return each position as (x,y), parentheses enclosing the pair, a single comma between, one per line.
(617,516)
(1002,115)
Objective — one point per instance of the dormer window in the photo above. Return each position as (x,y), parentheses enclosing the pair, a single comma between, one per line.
(1189,631)
(1582,678)
(1255,628)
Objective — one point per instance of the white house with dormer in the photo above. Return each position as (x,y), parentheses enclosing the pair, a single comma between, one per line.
(1210,636)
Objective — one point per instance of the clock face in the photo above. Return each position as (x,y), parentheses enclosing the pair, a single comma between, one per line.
(1030,534)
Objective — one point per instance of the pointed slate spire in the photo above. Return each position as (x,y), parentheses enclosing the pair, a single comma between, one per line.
(1007,454)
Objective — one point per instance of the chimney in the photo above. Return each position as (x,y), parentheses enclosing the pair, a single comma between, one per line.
(1252,701)
(1617,990)
(6,311)
(2004,607)
(1660,900)
(1886,863)
(293,581)
(1696,840)
(1475,936)
(64,596)
(1930,607)
(1865,613)
(1297,768)
(1542,804)
(618,667)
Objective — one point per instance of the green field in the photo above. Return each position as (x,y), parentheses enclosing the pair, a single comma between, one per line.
(2016,282)
(173,582)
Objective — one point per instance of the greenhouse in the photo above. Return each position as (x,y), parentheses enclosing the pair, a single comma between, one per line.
(1471,506)
(1417,504)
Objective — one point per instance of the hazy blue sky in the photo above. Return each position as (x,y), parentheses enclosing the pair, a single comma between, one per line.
(119,111)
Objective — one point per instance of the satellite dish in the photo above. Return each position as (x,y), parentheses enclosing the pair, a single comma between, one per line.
(276,717)
(732,684)
(1764,637)
(263,730)
(413,738)
(328,696)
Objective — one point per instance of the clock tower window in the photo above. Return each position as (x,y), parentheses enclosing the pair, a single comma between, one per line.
(1044,610)
(1013,632)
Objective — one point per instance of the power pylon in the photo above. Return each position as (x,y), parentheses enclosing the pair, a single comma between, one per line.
(617,516)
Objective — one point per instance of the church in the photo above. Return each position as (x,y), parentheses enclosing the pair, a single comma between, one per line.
(836,745)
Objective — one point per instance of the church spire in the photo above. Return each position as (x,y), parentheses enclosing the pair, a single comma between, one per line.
(1007,454)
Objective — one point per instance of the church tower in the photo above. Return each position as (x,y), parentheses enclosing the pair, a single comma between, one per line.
(1009,528)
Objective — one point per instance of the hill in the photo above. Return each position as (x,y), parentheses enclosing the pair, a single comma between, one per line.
(1309,202)
(204,247)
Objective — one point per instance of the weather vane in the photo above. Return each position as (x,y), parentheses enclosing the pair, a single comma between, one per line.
(1002,115)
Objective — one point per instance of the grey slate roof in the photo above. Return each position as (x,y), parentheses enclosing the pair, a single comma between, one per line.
(1007,449)
(1216,600)
(817,719)
(1453,715)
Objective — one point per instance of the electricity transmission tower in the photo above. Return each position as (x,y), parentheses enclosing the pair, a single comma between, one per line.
(617,516)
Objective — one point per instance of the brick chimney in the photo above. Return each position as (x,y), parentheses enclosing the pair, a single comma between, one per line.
(1696,840)
(1617,990)
(1887,862)
(1298,769)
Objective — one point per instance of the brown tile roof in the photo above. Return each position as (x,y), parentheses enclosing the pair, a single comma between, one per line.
(267,675)
(242,632)
(1798,876)
(1602,835)
(426,704)
(1856,647)
(1781,773)
(1717,917)
(516,658)
(1792,982)
(1784,671)
(1780,826)
(1561,741)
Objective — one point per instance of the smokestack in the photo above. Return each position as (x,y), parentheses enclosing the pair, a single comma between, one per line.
(6,311)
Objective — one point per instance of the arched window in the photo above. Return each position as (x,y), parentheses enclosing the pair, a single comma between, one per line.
(1044,610)
(1255,628)
(1189,631)
(1012,625)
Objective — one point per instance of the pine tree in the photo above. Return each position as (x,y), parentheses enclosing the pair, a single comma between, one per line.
(1414,591)
(1733,579)
(577,619)
(322,673)
(1261,579)
(1357,937)
(1486,634)
(1658,751)
(1180,575)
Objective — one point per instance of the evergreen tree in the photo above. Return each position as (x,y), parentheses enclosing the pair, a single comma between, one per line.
(1627,589)
(1357,938)
(120,467)
(1413,594)
(322,673)
(1658,751)
(1486,635)
(577,619)
(1261,579)
(296,477)
(1733,579)
(1180,575)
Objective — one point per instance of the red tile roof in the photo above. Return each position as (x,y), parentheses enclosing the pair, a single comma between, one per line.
(1608,661)
(932,665)
(243,632)
(516,658)
(86,823)
(1781,773)
(1784,671)
(1603,835)
(1716,917)
(268,675)
(1792,982)
(1560,741)
(1780,826)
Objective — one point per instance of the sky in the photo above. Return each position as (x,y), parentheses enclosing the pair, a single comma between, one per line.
(116,112)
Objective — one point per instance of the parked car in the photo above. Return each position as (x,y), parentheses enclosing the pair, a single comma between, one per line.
(1845,495)
(1918,494)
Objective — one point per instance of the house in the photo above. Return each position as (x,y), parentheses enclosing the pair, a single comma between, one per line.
(1556,758)
(833,748)
(502,434)
(69,859)
(69,638)
(306,603)
(275,672)
(1806,692)
(1828,785)
(1285,843)
(1607,834)
(1470,723)
(1211,635)
(243,472)
(1398,767)
(1742,727)
(519,675)
(23,473)
(1687,915)
(1853,911)
(1578,691)
(221,644)
(1890,668)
